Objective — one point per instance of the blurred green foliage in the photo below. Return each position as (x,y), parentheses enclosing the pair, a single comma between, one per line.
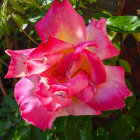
(17,20)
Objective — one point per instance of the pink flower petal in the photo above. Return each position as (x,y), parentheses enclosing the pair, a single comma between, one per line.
(62,22)
(86,95)
(77,83)
(79,108)
(111,94)
(17,66)
(36,66)
(31,108)
(96,31)
(98,74)
(64,65)
(75,66)
(52,101)
(69,65)
(53,45)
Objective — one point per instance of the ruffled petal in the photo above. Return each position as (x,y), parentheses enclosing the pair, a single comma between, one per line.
(111,94)
(52,101)
(17,66)
(97,70)
(36,66)
(62,22)
(53,45)
(96,31)
(31,108)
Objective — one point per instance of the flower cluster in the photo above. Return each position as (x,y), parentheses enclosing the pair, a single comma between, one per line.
(65,75)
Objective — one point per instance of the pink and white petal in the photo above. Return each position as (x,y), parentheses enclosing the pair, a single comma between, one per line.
(37,66)
(17,66)
(111,94)
(97,74)
(62,22)
(77,83)
(86,95)
(31,108)
(53,45)
(96,31)
(79,108)
(56,87)
(52,101)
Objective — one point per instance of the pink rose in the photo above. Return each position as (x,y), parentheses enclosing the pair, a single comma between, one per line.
(65,75)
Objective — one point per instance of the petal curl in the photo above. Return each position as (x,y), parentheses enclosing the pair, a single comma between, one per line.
(96,31)
(97,70)
(64,65)
(37,66)
(52,101)
(62,22)
(53,45)
(111,94)
(69,65)
(31,108)
(17,66)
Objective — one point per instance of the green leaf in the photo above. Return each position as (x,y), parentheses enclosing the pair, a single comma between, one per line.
(117,45)
(124,24)
(38,134)
(111,34)
(16,6)
(33,3)
(11,102)
(135,110)
(130,101)
(10,134)
(106,114)
(123,127)
(110,61)
(1,30)
(86,128)
(137,36)
(102,14)
(72,132)
(91,1)
(125,65)
(3,18)
(101,134)
(60,124)
(33,18)
(22,23)
(3,111)
(4,126)
(22,133)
